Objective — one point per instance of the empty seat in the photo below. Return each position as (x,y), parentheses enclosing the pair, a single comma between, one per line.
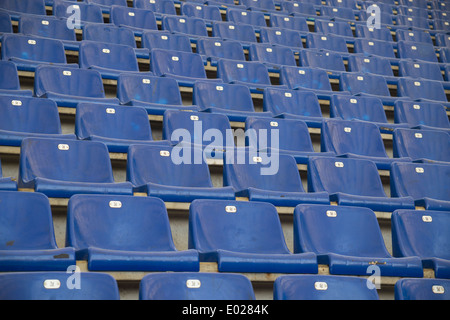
(195,286)
(171,176)
(412,22)
(267,177)
(116,126)
(272,56)
(7,183)
(207,13)
(305,9)
(32,6)
(322,287)
(415,3)
(374,47)
(192,26)
(5,23)
(422,289)
(339,13)
(252,74)
(214,49)
(427,184)
(413,36)
(214,231)
(420,69)
(233,100)
(423,115)
(28,52)
(328,60)
(423,234)
(138,20)
(158,7)
(289,22)
(61,168)
(416,89)
(349,240)
(243,33)
(9,82)
(69,86)
(373,64)
(363,108)
(145,242)
(296,104)
(263,5)
(343,3)
(339,28)
(58,286)
(88,12)
(155,94)
(416,50)
(166,40)
(107,4)
(353,182)
(282,37)
(326,42)
(27,235)
(109,59)
(442,39)
(356,139)
(28,117)
(293,138)
(185,67)
(254,18)
(422,145)
(383,34)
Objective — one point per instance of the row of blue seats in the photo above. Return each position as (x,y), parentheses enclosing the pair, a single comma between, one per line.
(211,286)
(135,236)
(61,168)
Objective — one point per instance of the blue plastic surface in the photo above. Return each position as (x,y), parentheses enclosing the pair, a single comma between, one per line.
(374,47)
(420,69)
(60,168)
(214,49)
(5,23)
(328,60)
(7,183)
(422,289)
(416,50)
(239,16)
(138,20)
(152,170)
(322,287)
(192,26)
(282,37)
(338,28)
(243,33)
(287,22)
(183,286)
(273,178)
(158,7)
(29,245)
(425,115)
(372,64)
(88,12)
(416,89)
(359,82)
(272,56)
(69,86)
(423,234)
(32,6)
(47,27)
(216,230)
(426,183)
(353,182)
(327,42)
(384,34)
(207,13)
(141,241)
(349,240)
(9,83)
(414,35)
(166,40)
(28,117)
(31,286)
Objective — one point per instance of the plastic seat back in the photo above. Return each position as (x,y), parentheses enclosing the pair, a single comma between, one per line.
(422,289)
(287,22)
(233,31)
(289,101)
(364,83)
(373,64)
(421,113)
(201,11)
(47,27)
(217,49)
(244,71)
(334,27)
(254,18)
(31,7)
(187,25)
(322,59)
(88,12)
(326,42)
(161,6)
(420,69)
(166,40)
(421,89)
(109,34)
(270,54)
(362,108)
(374,47)
(176,63)
(131,17)
(283,37)
(309,78)
(416,50)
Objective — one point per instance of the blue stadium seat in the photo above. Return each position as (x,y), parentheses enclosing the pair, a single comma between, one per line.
(422,145)
(421,89)
(282,37)
(423,234)
(28,52)
(54,286)
(108,33)
(272,56)
(159,7)
(88,12)
(426,183)
(107,4)
(339,28)
(243,33)
(7,183)
(373,64)
(370,47)
(298,24)
(172,177)
(141,239)
(416,51)
(233,100)
(192,128)
(138,20)
(422,115)
(339,13)
(413,36)
(207,13)
(420,69)
(155,94)
(166,40)
(214,231)
(322,287)
(49,27)
(293,138)
(69,86)
(383,34)
(293,104)
(185,67)
(28,117)
(444,54)
(254,75)
(363,108)
(385,6)
(213,49)
(259,5)
(352,4)
(191,26)
(441,24)
(415,3)
(349,240)
(330,61)
(195,286)
(329,42)
(303,9)
(61,168)
(253,18)
(412,22)
(357,139)
(353,182)
(422,289)
(9,82)
(442,39)
(116,126)
(5,23)
(274,178)
(27,235)
(31,6)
